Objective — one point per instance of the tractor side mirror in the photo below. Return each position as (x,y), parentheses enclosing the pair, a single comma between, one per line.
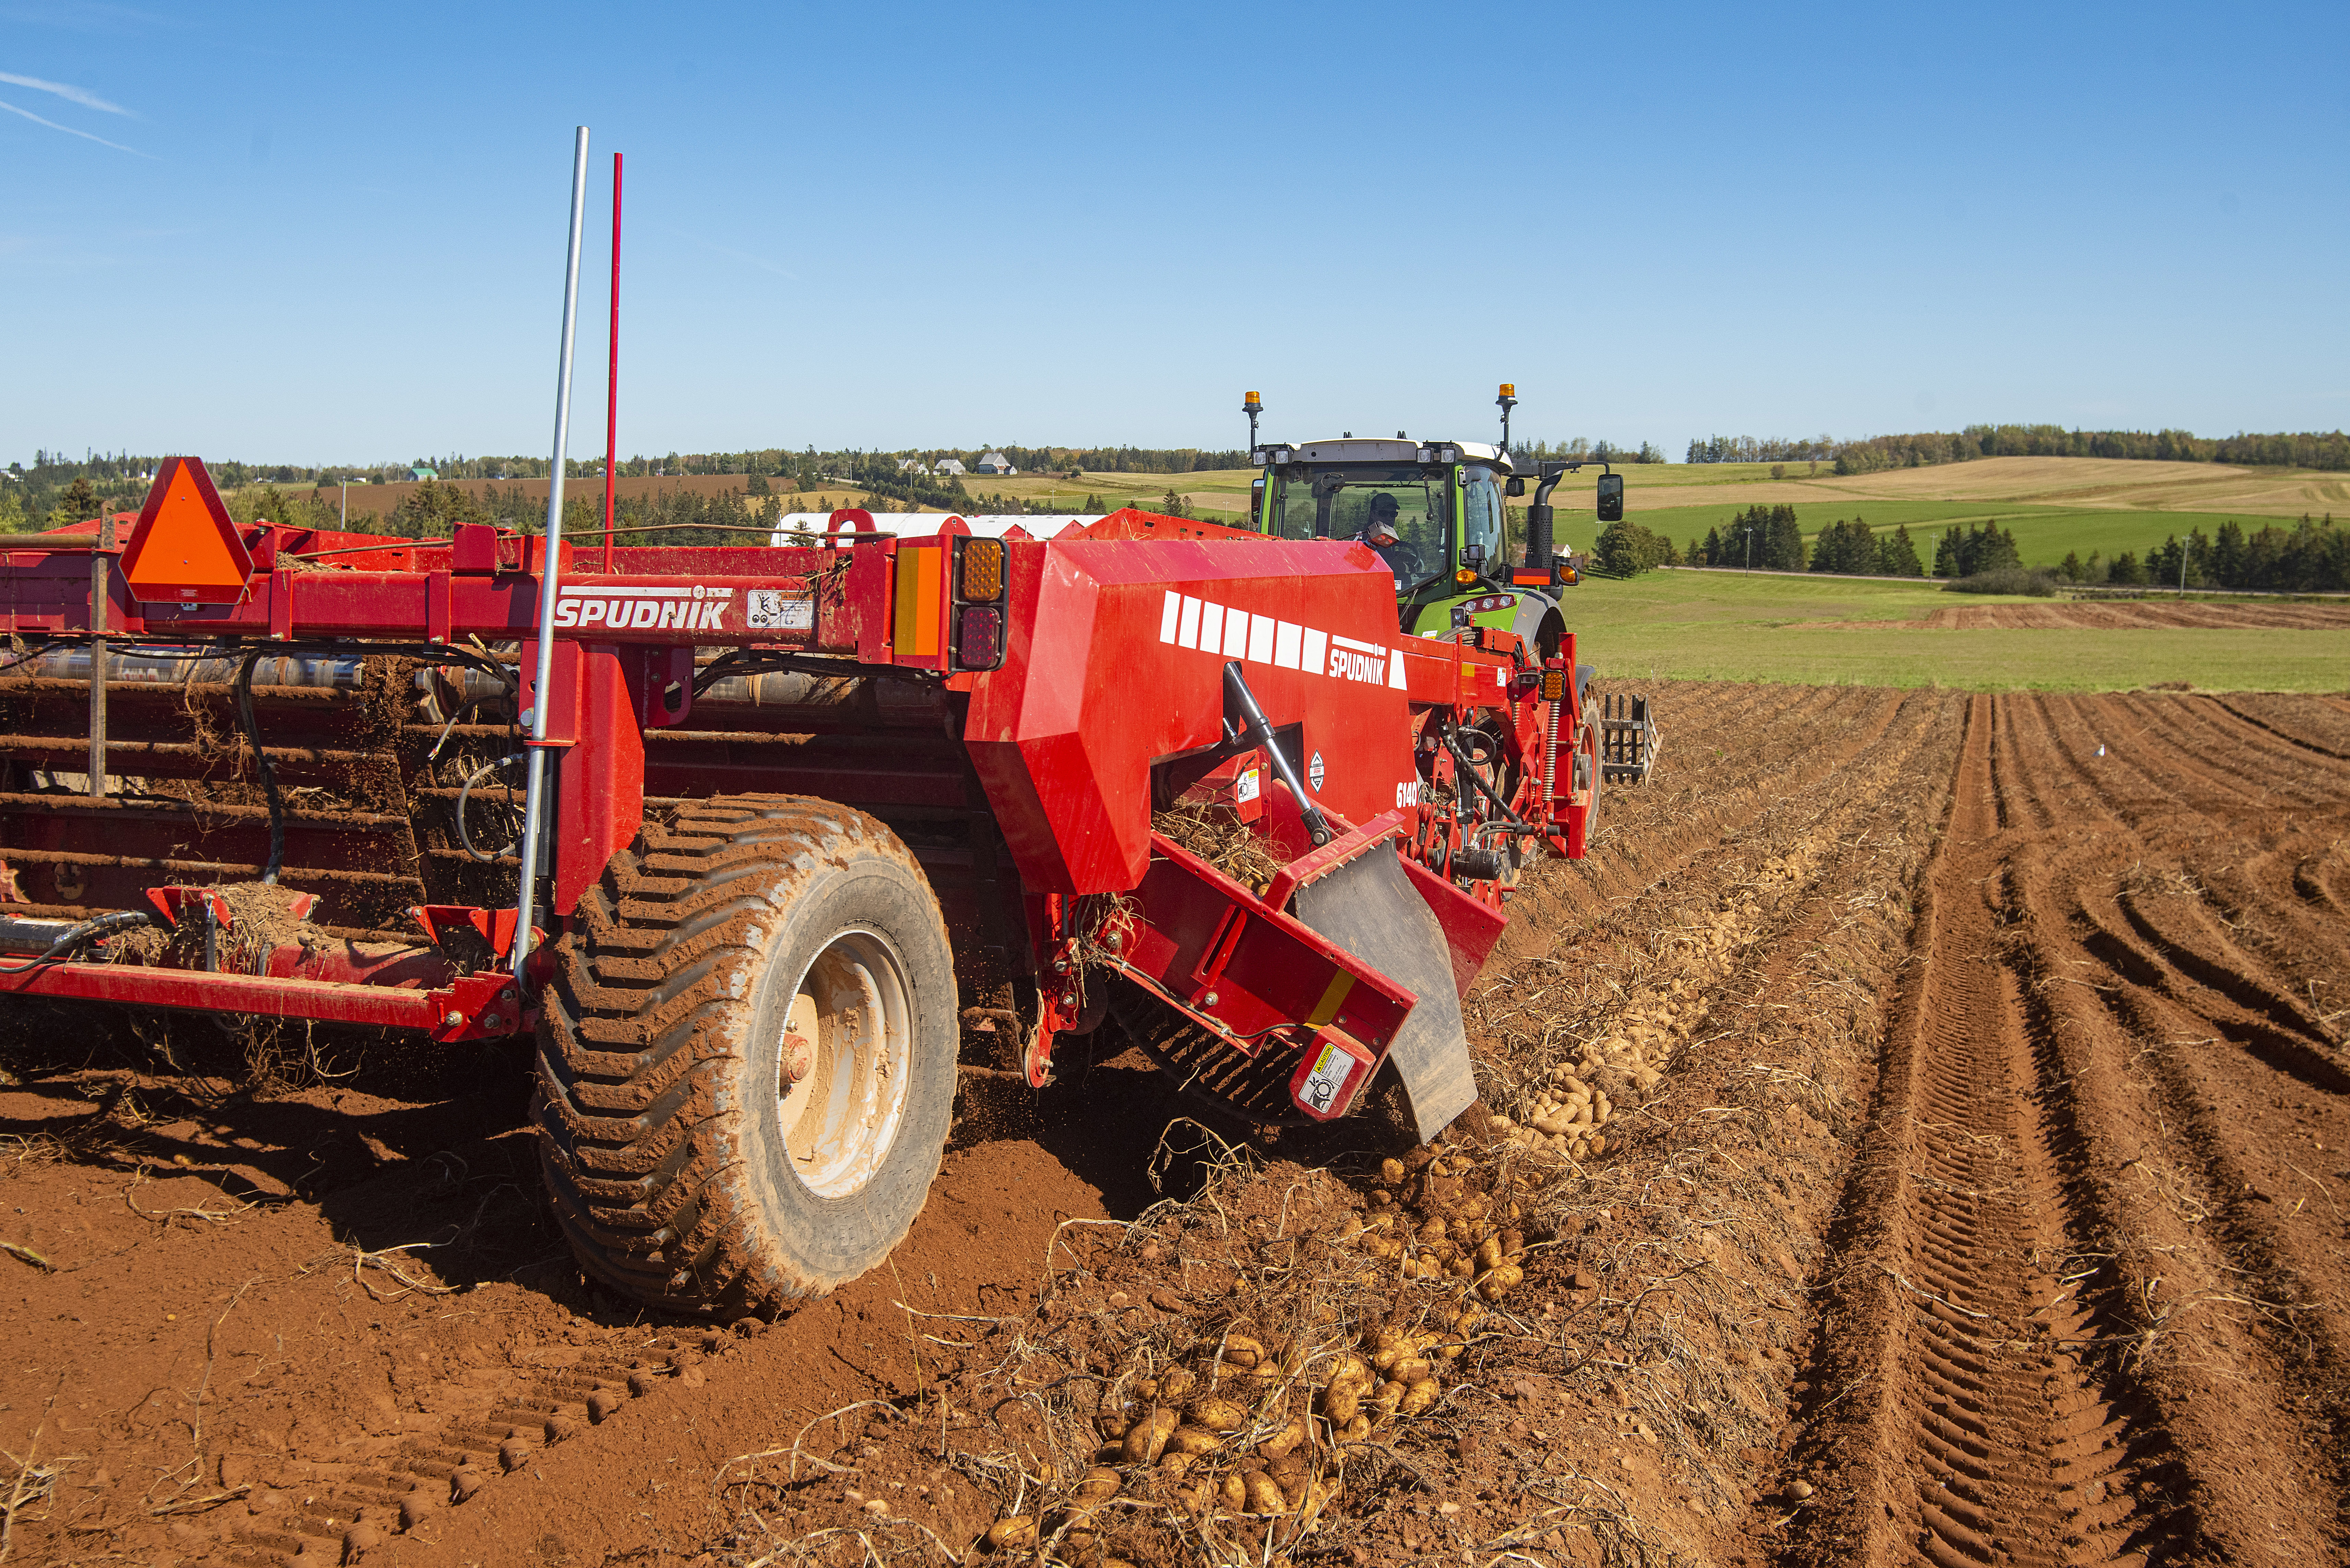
(1611,498)
(1517,484)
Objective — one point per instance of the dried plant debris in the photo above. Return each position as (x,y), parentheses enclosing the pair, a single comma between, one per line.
(1219,838)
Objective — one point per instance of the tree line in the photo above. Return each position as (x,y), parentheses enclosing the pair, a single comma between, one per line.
(2308,449)
(2310,557)
(1767,539)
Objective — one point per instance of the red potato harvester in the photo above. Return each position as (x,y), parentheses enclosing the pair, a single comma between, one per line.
(810,814)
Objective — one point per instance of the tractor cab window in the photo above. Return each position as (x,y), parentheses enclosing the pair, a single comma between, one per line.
(1481,516)
(1344,503)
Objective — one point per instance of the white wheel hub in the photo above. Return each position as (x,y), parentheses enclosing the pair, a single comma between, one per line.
(842,1069)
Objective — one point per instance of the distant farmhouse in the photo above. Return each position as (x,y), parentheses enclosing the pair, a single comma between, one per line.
(912,465)
(424,473)
(949,465)
(997,463)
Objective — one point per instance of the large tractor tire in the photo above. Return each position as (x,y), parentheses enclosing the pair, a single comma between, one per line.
(747,1060)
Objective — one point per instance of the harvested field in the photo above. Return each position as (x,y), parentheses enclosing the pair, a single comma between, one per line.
(2122,615)
(1951,1107)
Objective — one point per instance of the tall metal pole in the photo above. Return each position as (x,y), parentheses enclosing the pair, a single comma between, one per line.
(613,392)
(535,801)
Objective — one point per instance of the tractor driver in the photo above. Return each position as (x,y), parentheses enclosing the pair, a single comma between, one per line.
(1380,535)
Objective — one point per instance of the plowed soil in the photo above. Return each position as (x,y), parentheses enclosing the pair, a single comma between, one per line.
(1963,1098)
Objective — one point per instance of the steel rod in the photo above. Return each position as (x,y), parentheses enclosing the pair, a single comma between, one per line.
(534,813)
(612,384)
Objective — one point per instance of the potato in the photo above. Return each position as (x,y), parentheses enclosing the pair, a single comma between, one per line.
(1599,1144)
(1235,1491)
(1191,1439)
(1147,1439)
(1175,1384)
(1351,1370)
(1410,1369)
(1383,1403)
(1217,1413)
(1356,1430)
(1383,1359)
(1007,1534)
(1489,1252)
(1340,1403)
(1283,1444)
(1264,1494)
(1501,1281)
(1419,1396)
(1100,1482)
(1242,1351)
(1112,1425)
(1390,1171)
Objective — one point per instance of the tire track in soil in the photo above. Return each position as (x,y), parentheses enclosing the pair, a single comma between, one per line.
(349,1508)
(1982,1434)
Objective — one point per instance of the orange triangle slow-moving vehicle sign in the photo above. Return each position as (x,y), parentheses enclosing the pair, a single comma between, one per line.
(184,549)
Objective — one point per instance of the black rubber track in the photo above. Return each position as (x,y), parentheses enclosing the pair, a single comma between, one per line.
(656,1070)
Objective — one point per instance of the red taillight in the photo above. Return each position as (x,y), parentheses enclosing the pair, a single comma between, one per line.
(979,637)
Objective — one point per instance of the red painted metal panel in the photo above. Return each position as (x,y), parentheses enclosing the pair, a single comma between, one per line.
(1202,934)
(1108,670)
(603,781)
(1471,925)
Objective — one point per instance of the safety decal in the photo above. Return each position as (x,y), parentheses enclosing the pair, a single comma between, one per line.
(1331,1070)
(1314,773)
(767,609)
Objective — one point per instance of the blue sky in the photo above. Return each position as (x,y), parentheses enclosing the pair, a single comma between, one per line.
(335,233)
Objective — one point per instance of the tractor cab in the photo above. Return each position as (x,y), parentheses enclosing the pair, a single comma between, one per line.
(1435,512)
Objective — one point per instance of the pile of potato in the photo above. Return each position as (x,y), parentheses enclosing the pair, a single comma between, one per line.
(1564,1115)
(1251,1424)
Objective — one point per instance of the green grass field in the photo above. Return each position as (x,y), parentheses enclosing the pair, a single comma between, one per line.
(1702,626)
(2043,534)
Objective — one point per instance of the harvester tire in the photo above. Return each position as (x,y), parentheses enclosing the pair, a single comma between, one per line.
(746,1058)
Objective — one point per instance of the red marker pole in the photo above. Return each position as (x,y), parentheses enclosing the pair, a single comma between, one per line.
(613,392)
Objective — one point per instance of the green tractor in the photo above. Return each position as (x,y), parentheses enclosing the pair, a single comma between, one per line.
(1435,512)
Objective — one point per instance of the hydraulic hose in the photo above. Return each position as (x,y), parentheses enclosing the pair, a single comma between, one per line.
(269,773)
(75,936)
(466,839)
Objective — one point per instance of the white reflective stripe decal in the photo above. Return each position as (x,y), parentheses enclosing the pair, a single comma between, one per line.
(1284,644)
(1212,627)
(1168,614)
(1317,655)
(586,591)
(1357,647)
(1395,670)
(1188,634)
(1236,634)
(1261,638)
